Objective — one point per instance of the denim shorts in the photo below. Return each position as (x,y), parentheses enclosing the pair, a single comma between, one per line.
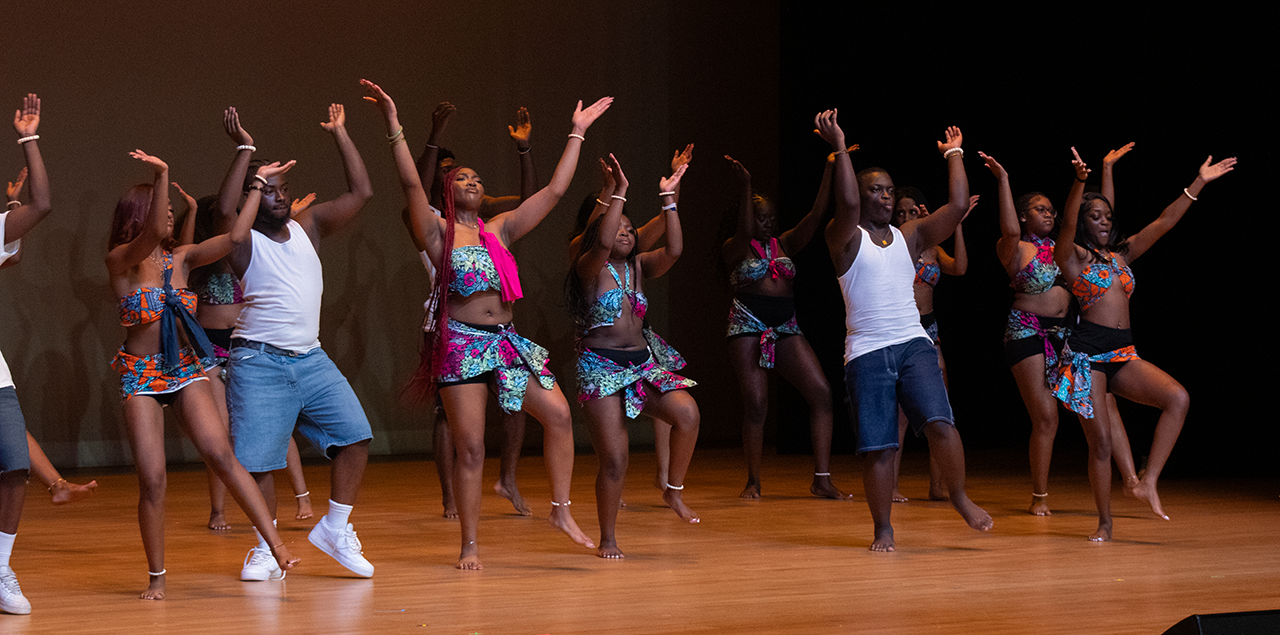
(879,382)
(13,433)
(269,391)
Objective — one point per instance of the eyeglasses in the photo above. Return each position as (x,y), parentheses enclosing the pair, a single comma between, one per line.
(1044,211)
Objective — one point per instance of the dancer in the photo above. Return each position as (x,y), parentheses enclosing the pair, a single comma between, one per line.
(278,376)
(433,164)
(910,204)
(763,330)
(15,462)
(474,342)
(220,301)
(888,356)
(149,278)
(1104,359)
(618,368)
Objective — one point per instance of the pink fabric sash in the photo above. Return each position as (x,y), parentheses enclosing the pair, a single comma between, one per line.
(775,268)
(504,262)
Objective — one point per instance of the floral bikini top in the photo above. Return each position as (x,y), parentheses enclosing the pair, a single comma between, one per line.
(484,267)
(767,261)
(1097,278)
(1039,274)
(608,306)
(928,273)
(146,305)
(221,288)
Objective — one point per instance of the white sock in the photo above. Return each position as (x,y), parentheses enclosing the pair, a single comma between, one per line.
(262,542)
(6,547)
(337,516)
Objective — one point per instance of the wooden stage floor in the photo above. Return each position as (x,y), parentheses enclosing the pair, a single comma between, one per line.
(788,563)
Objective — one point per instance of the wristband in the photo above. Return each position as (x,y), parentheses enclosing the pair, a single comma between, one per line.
(429,145)
(669,208)
(846,151)
(671,193)
(396,138)
(524,151)
(620,198)
(246,147)
(574,135)
(952,152)
(1082,180)
(260,178)
(26,139)
(255,188)
(600,202)
(396,133)
(1188,193)
(10,204)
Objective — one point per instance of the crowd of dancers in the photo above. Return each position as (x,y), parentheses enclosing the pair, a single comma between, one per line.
(222,325)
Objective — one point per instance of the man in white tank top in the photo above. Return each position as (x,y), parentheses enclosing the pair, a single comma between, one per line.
(277,374)
(889,359)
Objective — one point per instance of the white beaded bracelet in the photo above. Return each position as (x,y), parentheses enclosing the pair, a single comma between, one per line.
(259,177)
(952,152)
(574,135)
(26,139)
(156,575)
(620,198)
(1188,193)
(247,147)
(11,204)
(671,193)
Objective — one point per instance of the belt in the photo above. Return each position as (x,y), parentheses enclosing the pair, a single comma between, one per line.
(237,342)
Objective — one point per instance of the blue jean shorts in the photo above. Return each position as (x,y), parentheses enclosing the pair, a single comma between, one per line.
(13,433)
(269,391)
(878,382)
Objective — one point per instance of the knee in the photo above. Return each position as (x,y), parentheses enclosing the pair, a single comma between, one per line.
(613,465)
(471,455)
(755,407)
(686,417)
(151,485)
(1178,401)
(557,418)
(1044,420)
(220,458)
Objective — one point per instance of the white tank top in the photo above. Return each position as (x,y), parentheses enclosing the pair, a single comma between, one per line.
(7,250)
(282,289)
(879,301)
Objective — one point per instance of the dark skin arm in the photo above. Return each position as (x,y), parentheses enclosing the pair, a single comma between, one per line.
(188,234)
(657,262)
(1010,229)
(233,183)
(798,237)
(26,121)
(842,230)
(323,219)
(591,262)
(1108,172)
(156,228)
(738,247)
(491,205)
(959,264)
(928,232)
(1143,240)
(1072,260)
(425,227)
(428,161)
(651,232)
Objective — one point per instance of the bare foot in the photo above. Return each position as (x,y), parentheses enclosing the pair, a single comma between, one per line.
(898,497)
(610,551)
(1147,492)
(64,492)
(884,540)
(1040,506)
(285,559)
(512,493)
(451,512)
(155,590)
(622,504)
(304,506)
(977,517)
(936,493)
(218,521)
(822,487)
(676,503)
(561,519)
(1103,534)
(752,490)
(469,559)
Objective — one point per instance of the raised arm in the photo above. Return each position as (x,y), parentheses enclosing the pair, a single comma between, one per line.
(1108,176)
(325,218)
(233,183)
(429,161)
(959,264)
(1010,229)
(154,230)
(1068,255)
(648,235)
(188,235)
(521,220)
(799,237)
(426,228)
(843,227)
(934,228)
(1209,172)
(738,247)
(590,262)
(26,121)
(657,262)
(493,205)
(214,248)
(602,204)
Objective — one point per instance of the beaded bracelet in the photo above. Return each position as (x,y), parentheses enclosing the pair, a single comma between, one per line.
(671,193)
(26,139)
(620,198)
(1188,193)
(952,152)
(574,135)
(246,147)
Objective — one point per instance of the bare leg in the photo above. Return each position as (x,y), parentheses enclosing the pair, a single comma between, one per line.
(753,383)
(661,450)
(1097,432)
(944,443)
(61,490)
(679,408)
(217,489)
(512,443)
(897,458)
(937,482)
(1043,409)
(798,364)
(877,482)
(1142,382)
(293,462)
(610,440)
(465,405)
(146,439)
(552,411)
(442,446)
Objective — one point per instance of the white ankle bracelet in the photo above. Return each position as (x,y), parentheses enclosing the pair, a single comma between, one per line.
(156,575)
(822,473)
(306,493)
(564,504)
(670,486)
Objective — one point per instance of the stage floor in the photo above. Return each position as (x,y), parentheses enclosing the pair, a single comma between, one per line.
(786,563)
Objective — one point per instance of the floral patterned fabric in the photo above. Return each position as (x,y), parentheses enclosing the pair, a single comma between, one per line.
(1072,379)
(474,351)
(1097,278)
(1039,274)
(600,377)
(149,375)
(473,270)
(768,261)
(743,321)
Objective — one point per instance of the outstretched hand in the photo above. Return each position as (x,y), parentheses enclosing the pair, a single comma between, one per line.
(187,198)
(440,117)
(300,204)
(740,170)
(618,176)
(15,186)
(1082,170)
(607,173)
(1210,172)
(973,202)
(155,162)
(682,157)
(274,168)
(584,117)
(521,131)
(231,123)
(829,129)
(337,118)
(831,158)
(379,98)
(669,183)
(27,119)
(993,165)
(954,139)
(1115,155)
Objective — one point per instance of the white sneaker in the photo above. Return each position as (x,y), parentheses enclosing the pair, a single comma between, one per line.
(343,546)
(260,565)
(11,598)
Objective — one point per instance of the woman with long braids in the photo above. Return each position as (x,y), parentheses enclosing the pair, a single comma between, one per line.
(1100,356)
(763,332)
(619,372)
(149,275)
(475,345)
